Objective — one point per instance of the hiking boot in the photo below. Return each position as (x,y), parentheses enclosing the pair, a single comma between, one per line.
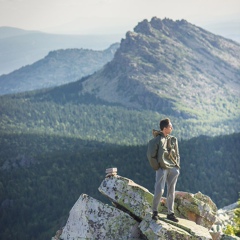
(171,217)
(155,216)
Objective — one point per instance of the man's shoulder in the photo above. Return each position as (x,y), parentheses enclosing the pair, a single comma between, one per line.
(155,139)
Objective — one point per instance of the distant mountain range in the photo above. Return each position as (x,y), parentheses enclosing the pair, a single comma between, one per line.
(57,68)
(19,47)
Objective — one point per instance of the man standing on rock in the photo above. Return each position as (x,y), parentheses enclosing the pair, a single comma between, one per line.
(164,158)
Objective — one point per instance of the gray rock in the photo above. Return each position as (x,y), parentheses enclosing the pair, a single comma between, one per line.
(196,207)
(165,229)
(130,217)
(91,219)
(129,195)
(137,200)
(224,217)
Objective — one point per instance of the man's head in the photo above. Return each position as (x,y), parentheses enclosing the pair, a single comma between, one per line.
(166,126)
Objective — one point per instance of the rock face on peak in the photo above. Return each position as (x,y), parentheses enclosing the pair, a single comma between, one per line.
(164,64)
(130,215)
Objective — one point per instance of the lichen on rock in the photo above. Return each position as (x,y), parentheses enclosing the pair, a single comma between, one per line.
(196,207)
(91,219)
(128,194)
(130,217)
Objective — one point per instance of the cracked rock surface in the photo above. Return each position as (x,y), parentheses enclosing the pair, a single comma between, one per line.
(129,217)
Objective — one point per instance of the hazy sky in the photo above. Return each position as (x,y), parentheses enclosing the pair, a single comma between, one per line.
(112,16)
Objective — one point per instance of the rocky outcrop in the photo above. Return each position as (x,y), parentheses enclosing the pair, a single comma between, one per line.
(224,217)
(164,229)
(137,200)
(196,207)
(91,219)
(130,217)
(128,195)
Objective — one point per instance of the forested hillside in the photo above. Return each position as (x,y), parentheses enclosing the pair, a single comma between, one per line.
(42,175)
(61,112)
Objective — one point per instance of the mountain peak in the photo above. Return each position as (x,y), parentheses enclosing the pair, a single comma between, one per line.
(166,65)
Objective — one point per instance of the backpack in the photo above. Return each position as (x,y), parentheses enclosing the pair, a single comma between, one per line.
(161,151)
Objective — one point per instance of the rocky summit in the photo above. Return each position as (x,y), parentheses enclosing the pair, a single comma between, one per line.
(165,64)
(129,216)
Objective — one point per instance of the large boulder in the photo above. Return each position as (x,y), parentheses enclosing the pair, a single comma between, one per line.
(127,194)
(91,219)
(196,207)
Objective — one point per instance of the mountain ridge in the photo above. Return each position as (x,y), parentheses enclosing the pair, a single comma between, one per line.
(20,47)
(7,32)
(172,67)
(57,68)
